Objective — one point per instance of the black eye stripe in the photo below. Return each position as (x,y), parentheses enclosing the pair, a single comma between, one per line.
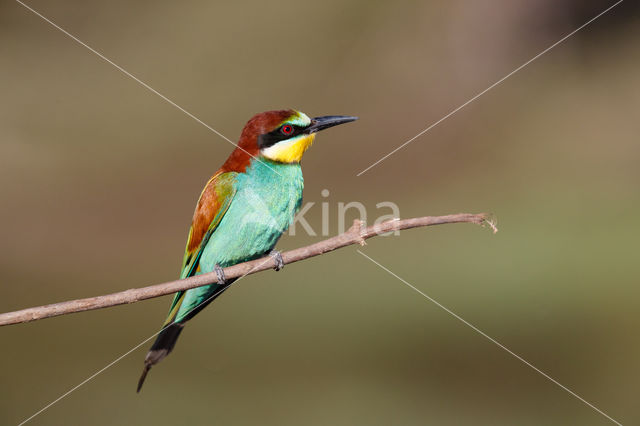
(269,139)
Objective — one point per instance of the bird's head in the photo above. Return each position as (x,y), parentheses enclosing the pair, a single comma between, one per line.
(284,135)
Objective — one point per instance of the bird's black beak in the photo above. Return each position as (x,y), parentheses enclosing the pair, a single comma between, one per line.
(321,123)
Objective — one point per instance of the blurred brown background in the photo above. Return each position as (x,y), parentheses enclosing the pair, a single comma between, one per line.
(98,179)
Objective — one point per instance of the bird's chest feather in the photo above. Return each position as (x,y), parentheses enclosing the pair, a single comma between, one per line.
(268,195)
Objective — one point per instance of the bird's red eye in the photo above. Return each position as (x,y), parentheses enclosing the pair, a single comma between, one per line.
(287,129)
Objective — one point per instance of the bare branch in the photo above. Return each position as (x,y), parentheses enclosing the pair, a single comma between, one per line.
(357,234)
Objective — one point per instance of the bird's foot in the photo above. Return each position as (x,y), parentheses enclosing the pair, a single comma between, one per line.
(222,280)
(278,258)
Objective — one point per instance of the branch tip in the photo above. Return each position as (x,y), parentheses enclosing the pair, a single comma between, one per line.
(490,220)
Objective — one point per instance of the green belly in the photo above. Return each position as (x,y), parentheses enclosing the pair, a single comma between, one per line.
(268,195)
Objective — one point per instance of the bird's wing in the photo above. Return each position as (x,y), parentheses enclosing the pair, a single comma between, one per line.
(213,204)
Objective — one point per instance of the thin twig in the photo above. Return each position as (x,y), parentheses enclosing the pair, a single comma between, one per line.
(357,234)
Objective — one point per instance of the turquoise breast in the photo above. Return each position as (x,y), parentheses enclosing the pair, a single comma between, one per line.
(267,197)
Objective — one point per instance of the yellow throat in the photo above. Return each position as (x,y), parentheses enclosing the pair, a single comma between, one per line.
(291,150)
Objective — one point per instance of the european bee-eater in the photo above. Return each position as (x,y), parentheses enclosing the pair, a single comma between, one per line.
(242,211)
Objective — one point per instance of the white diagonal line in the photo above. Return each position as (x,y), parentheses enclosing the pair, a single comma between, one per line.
(94,375)
(142,83)
(88,379)
(500,345)
(490,87)
(125,72)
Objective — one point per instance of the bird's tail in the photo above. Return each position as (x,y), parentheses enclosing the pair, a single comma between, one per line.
(163,345)
(174,324)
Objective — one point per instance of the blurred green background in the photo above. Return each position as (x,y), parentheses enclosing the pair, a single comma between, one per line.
(99,177)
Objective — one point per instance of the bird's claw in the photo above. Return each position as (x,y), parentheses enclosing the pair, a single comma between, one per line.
(278,259)
(222,280)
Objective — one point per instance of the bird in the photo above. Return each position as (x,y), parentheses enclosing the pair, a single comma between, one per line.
(242,211)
